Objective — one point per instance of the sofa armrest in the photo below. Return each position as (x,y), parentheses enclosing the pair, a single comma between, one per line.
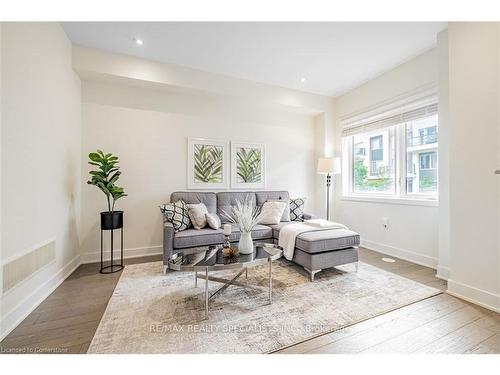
(168,242)
(307,216)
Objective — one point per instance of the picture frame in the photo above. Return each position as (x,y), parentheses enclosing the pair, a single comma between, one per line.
(248,165)
(208,164)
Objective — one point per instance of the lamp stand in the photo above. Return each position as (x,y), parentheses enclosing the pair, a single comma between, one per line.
(328,184)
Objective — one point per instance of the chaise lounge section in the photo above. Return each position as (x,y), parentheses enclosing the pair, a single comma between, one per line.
(314,251)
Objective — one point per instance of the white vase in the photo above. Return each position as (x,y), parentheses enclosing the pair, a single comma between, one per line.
(246,244)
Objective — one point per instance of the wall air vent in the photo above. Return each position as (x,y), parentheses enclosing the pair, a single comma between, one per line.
(22,267)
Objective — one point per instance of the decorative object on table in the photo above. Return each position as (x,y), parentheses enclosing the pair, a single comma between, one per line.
(271,212)
(246,216)
(105,178)
(231,253)
(207,164)
(213,220)
(247,165)
(176,214)
(297,209)
(197,214)
(227,233)
(329,166)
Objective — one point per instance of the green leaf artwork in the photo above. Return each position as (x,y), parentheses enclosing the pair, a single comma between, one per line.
(248,165)
(208,163)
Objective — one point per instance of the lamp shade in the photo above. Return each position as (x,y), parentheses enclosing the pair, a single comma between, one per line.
(329,165)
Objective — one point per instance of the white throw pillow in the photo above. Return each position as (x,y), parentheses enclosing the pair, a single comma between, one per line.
(271,212)
(197,214)
(213,221)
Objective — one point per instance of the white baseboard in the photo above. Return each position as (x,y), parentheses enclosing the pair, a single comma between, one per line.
(410,256)
(443,272)
(477,296)
(127,253)
(15,316)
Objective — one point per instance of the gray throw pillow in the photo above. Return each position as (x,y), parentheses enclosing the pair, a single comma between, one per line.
(297,209)
(176,214)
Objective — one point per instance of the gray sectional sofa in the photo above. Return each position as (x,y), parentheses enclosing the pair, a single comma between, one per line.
(313,250)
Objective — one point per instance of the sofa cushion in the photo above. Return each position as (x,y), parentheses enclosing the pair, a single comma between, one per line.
(326,240)
(259,232)
(227,199)
(213,221)
(197,212)
(198,237)
(209,199)
(271,212)
(177,215)
(297,209)
(273,196)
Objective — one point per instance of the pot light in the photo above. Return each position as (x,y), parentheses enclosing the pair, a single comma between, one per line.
(388,260)
(303,79)
(138,41)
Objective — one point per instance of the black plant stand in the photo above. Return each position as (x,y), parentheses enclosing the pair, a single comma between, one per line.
(110,222)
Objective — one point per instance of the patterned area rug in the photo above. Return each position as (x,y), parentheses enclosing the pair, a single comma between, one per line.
(154,313)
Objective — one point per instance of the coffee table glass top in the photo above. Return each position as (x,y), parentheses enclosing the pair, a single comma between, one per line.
(212,257)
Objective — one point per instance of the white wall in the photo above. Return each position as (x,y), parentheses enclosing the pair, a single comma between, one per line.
(474,144)
(413,230)
(41,148)
(443,267)
(1,127)
(148,129)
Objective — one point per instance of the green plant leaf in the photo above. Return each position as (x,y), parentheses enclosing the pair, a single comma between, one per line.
(106,176)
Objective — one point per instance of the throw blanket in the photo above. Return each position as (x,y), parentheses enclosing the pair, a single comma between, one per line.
(289,233)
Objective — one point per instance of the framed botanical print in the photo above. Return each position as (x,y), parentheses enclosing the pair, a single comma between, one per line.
(248,166)
(207,166)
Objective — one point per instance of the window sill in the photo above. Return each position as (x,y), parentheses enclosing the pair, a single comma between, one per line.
(390,200)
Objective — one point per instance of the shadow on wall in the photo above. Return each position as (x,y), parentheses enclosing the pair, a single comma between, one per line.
(72,192)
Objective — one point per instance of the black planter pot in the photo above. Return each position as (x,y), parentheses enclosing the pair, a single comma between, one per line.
(111,220)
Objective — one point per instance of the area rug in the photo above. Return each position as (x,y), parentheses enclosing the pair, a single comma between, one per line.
(154,313)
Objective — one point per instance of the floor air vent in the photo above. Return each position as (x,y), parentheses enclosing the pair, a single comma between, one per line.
(21,268)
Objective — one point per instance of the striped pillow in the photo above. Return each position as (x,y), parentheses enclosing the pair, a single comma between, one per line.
(176,214)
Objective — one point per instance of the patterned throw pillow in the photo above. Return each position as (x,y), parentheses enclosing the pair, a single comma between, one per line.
(297,209)
(176,214)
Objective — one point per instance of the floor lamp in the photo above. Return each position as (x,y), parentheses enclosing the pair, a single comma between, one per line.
(328,166)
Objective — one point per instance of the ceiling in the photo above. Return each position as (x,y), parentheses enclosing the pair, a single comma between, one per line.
(332,57)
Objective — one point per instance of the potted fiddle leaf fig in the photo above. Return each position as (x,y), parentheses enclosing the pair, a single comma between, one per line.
(105,178)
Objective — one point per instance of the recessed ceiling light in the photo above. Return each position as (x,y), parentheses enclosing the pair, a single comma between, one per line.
(303,79)
(388,260)
(138,41)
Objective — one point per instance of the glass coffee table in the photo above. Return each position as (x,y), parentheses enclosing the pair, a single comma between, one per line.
(202,260)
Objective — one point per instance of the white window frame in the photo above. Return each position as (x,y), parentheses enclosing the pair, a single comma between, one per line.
(400,196)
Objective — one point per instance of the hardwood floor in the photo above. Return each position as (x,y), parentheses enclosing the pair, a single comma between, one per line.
(67,320)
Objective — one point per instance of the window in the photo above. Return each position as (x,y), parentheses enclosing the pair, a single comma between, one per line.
(376,155)
(393,156)
(374,173)
(421,156)
(428,160)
